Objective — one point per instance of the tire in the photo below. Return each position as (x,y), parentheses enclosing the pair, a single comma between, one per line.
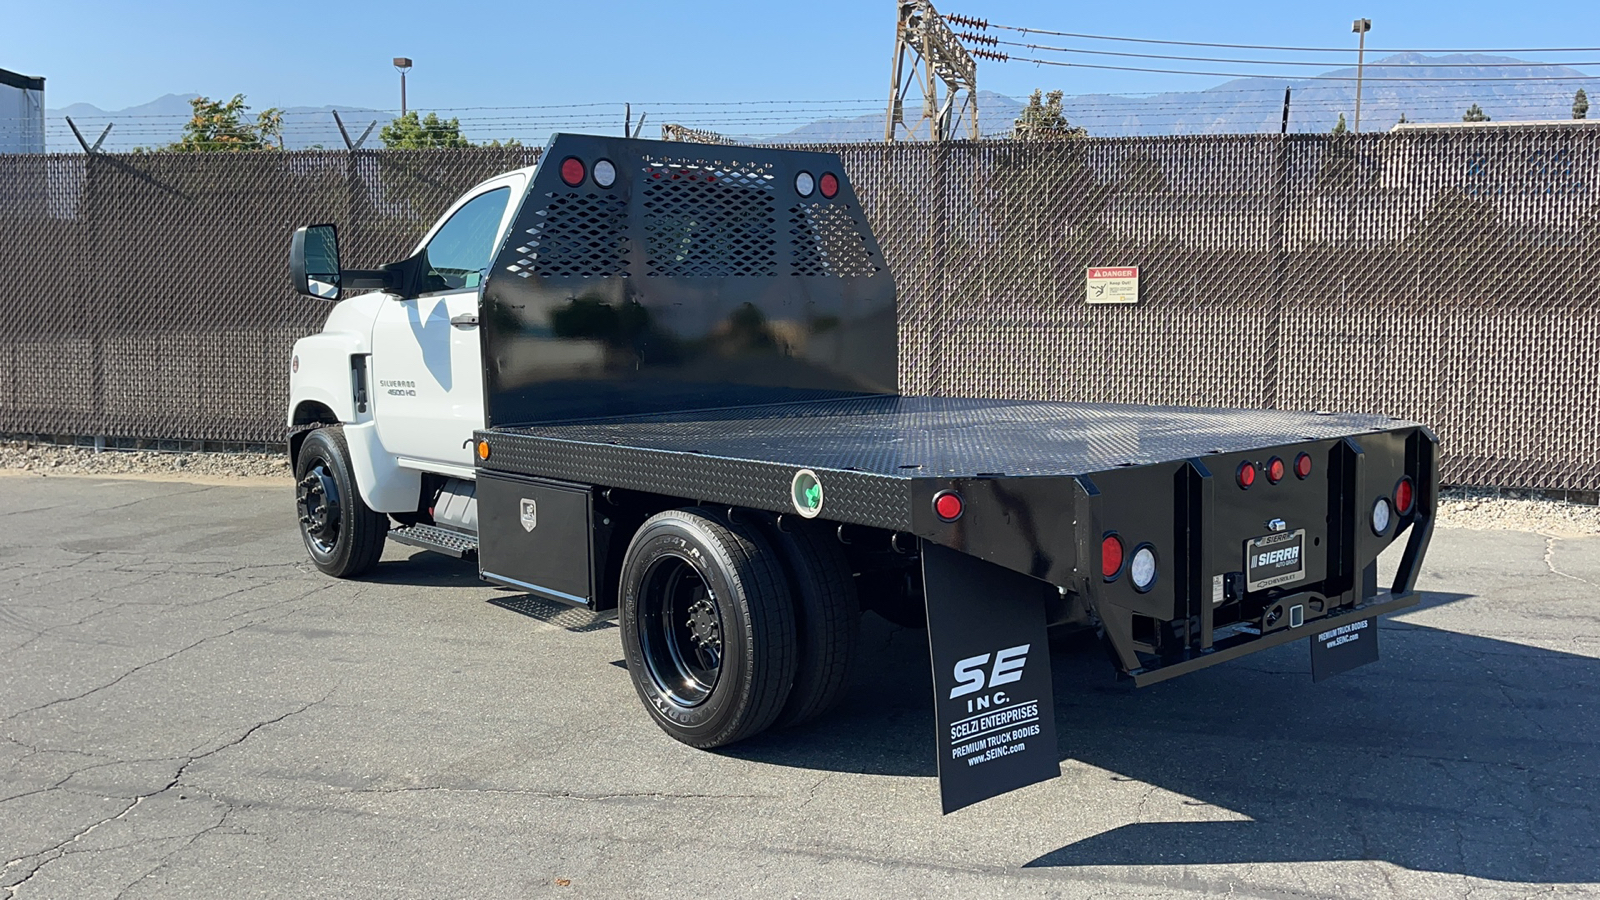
(342,535)
(827,616)
(707,627)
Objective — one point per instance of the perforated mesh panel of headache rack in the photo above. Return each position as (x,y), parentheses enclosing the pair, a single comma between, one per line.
(1448,276)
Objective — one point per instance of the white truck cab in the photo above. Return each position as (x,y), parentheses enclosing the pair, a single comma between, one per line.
(412,364)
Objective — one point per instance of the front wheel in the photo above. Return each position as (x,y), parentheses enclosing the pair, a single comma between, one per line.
(708,628)
(343,535)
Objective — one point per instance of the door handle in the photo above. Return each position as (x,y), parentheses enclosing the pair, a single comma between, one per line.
(465,320)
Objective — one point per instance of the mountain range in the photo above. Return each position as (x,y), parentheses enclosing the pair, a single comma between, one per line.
(1421,88)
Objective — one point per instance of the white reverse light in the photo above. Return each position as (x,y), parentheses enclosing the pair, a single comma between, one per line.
(1380,515)
(605,174)
(1142,568)
(804,184)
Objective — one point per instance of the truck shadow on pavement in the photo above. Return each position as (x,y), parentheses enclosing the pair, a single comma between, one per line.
(424,568)
(1454,753)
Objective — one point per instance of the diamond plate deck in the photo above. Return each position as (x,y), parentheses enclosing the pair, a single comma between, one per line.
(909,437)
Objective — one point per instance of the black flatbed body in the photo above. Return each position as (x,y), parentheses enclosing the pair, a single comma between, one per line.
(872,451)
(1041,482)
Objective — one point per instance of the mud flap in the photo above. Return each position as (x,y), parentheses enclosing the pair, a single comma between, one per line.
(1344,648)
(993,704)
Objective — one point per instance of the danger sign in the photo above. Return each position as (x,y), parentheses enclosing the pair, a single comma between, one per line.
(1114,285)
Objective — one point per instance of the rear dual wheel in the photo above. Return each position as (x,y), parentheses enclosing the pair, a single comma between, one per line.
(729,628)
(707,627)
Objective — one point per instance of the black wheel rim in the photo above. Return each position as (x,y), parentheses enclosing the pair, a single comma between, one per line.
(680,627)
(317,501)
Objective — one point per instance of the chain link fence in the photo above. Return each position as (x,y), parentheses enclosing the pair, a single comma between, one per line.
(1448,276)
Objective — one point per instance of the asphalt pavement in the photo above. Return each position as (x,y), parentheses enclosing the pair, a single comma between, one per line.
(189,709)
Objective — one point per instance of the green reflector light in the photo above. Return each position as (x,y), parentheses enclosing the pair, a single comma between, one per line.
(806,493)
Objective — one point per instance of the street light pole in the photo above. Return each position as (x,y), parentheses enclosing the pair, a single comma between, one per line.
(1360,27)
(401,64)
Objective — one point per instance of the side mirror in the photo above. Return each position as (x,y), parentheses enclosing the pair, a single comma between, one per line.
(314,261)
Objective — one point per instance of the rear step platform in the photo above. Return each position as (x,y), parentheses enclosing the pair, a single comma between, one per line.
(439,540)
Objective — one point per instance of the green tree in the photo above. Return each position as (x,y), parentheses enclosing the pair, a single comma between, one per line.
(1042,119)
(1339,127)
(1580,105)
(1475,113)
(217,126)
(414,132)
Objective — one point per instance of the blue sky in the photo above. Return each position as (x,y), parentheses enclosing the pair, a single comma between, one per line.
(467,55)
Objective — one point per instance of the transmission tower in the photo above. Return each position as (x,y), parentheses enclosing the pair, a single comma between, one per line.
(675,132)
(928,58)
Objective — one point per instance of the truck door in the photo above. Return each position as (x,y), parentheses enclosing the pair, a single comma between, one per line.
(426,360)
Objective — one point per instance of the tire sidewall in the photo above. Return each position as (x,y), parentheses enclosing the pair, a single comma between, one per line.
(706,722)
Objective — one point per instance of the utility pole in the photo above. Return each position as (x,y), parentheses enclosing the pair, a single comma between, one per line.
(401,64)
(1360,27)
(936,57)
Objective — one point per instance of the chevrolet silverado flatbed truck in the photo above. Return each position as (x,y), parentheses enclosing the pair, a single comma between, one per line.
(661,379)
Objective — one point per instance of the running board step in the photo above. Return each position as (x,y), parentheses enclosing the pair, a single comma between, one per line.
(439,540)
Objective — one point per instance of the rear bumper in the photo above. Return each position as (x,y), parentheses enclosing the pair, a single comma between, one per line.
(1243,644)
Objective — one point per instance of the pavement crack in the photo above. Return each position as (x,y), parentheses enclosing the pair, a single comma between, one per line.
(1550,562)
(162,496)
(167,857)
(181,650)
(51,854)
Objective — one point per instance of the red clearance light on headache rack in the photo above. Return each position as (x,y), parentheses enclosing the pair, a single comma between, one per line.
(1111,556)
(947,505)
(1246,474)
(572,171)
(1302,466)
(1405,494)
(829,185)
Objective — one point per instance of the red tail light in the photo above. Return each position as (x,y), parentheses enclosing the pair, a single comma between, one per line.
(948,506)
(1276,470)
(1111,556)
(828,184)
(1405,494)
(1302,465)
(1246,474)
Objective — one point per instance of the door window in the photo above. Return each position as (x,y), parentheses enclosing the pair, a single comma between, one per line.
(461,249)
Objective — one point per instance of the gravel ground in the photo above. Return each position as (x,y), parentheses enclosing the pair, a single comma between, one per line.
(56,460)
(1458,507)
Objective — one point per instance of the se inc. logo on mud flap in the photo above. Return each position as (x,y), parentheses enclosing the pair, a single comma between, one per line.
(971,678)
(530,514)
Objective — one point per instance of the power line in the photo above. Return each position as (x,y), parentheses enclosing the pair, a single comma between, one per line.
(1103,37)
(978,38)
(1006,57)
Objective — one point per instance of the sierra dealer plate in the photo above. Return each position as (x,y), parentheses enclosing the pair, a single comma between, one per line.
(1274,560)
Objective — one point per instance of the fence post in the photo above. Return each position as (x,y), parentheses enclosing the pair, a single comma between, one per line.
(1278,241)
(92,189)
